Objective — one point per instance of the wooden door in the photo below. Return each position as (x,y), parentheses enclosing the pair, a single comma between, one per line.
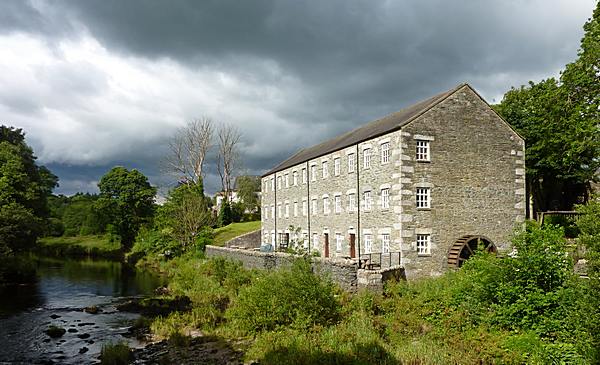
(352,245)
(326,243)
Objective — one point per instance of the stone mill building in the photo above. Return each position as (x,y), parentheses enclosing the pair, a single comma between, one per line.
(420,188)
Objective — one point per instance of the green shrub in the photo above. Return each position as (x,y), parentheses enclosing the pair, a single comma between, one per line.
(115,354)
(285,297)
(178,339)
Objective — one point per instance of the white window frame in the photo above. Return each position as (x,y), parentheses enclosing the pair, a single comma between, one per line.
(304,208)
(367,158)
(326,205)
(423,244)
(304,175)
(422,151)
(385,198)
(313,172)
(287,210)
(339,241)
(295,209)
(272,183)
(385,243)
(272,211)
(278,182)
(315,206)
(351,162)
(385,152)
(315,240)
(325,170)
(367,199)
(368,243)
(273,238)
(338,203)
(295,178)
(279,210)
(337,166)
(351,202)
(287,180)
(423,197)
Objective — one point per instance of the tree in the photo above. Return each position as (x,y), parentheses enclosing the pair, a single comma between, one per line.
(127,198)
(228,158)
(24,189)
(225,214)
(188,149)
(560,122)
(247,189)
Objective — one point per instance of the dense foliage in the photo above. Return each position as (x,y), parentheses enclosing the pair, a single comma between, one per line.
(127,199)
(559,120)
(24,188)
(75,215)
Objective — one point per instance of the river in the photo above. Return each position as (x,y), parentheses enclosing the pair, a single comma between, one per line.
(63,289)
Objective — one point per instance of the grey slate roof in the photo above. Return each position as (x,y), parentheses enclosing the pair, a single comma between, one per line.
(370,130)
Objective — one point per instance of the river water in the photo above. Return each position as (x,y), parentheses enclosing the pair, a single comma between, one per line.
(64,288)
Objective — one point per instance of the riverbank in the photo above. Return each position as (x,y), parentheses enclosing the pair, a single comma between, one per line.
(95,246)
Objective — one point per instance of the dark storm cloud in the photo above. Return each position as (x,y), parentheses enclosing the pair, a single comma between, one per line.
(303,71)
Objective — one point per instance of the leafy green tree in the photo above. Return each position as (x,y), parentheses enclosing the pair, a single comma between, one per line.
(560,122)
(127,198)
(24,188)
(247,189)
(225,214)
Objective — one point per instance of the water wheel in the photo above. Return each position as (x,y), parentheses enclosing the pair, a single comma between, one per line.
(466,246)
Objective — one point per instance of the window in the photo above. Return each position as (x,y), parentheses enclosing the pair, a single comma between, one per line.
(313,172)
(304,208)
(272,184)
(304,175)
(295,209)
(325,170)
(339,239)
(367,199)
(338,204)
(423,246)
(351,202)
(279,210)
(367,158)
(385,198)
(287,180)
(273,211)
(385,152)
(422,150)
(315,240)
(278,182)
(295,178)
(368,243)
(336,166)
(305,240)
(351,162)
(422,198)
(326,205)
(314,207)
(287,210)
(385,242)
(273,238)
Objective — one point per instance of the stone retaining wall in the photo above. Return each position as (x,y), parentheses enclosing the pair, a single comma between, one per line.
(249,240)
(344,272)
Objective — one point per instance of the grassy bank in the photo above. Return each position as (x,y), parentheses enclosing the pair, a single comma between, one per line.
(529,309)
(80,246)
(224,234)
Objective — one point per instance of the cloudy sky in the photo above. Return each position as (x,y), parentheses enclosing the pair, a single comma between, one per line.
(102,83)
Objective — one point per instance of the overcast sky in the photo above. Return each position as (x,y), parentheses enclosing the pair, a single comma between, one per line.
(102,83)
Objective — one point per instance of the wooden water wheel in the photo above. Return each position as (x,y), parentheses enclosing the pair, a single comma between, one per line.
(466,246)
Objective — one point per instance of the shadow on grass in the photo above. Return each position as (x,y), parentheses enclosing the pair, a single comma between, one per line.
(371,353)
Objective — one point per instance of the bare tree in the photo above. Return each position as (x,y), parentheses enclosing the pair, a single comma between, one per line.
(188,149)
(228,157)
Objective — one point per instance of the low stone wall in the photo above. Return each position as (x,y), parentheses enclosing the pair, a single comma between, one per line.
(344,272)
(249,240)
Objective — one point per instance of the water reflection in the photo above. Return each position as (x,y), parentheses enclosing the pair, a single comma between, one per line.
(63,288)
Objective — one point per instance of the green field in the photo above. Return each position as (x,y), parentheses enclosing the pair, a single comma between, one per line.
(92,245)
(224,234)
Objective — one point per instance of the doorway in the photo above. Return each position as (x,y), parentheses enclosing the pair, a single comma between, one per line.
(352,245)
(326,243)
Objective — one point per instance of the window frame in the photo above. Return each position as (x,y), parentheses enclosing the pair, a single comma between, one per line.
(295,209)
(304,208)
(368,243)
(367,199)
(423,197)
(385,153)
(423,244)
(313,172)
(351,163)
(295,178)
(385,198)
(337,204)
(422,150)
(325,169)
(315,206)
(337,166)
(351,202)
(339,241)
(304,177)
(367,158)
(326,209)
(385,243)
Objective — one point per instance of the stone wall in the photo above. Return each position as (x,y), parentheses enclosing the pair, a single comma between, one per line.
(248,240)
(341,271)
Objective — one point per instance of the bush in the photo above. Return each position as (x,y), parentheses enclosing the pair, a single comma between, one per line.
(115,354)
(286,297)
